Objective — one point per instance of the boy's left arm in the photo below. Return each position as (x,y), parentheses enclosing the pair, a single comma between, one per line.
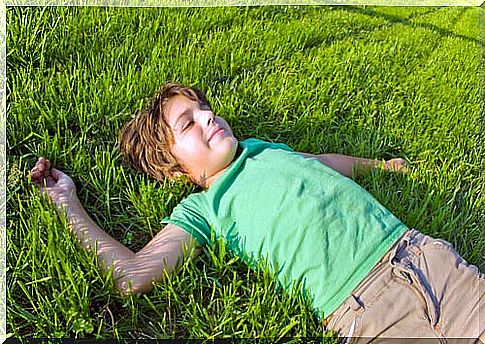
(347,164)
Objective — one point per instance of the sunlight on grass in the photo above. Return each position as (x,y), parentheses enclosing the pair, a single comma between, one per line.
(377,82)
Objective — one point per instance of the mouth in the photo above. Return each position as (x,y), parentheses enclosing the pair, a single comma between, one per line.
(216,132)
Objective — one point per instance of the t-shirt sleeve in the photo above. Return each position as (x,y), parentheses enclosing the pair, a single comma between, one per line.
(187,215)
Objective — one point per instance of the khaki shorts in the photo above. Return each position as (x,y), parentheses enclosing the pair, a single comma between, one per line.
(421,288)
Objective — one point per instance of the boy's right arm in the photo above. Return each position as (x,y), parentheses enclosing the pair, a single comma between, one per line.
(131,271)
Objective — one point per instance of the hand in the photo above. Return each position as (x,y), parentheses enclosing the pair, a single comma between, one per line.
(396,165)
(56,184)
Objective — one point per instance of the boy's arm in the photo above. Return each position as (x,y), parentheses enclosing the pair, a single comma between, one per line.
(131,271)
(347,164)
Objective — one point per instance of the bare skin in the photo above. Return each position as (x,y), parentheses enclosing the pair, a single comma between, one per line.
(136,272)
(346,165)
(205,146)
(133,272)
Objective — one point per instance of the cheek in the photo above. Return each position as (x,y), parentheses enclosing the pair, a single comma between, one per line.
(222,123)
(193,151)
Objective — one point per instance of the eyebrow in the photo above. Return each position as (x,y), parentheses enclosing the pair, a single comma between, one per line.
(185,113)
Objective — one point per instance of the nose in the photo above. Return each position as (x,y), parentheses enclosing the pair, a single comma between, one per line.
(204,118)
(210,119)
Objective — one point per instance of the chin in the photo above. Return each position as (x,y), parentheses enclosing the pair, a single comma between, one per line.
(234,144)
(228,143)
(228,150)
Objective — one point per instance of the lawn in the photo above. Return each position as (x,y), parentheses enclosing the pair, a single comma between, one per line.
(376,82)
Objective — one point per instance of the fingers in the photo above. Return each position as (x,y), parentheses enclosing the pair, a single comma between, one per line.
(57,174)
(43,164)
(396,165)
(44,175)
(41,170)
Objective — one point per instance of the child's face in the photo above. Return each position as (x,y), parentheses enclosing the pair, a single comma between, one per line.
(204,144)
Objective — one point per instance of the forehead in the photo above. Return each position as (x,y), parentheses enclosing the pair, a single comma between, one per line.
(176,106)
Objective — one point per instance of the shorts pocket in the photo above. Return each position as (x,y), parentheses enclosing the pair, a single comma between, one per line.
(448,255)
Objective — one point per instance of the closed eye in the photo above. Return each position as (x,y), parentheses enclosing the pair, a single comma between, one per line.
(187,125)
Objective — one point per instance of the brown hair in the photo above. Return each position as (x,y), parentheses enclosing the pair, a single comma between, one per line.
(145,140)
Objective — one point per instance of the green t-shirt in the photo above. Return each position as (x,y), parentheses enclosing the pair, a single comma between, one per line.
(308,222)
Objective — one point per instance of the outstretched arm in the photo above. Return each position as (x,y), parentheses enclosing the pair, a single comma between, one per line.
(347,164)
(131,271)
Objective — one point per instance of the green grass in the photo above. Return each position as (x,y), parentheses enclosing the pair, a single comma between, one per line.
(366,81)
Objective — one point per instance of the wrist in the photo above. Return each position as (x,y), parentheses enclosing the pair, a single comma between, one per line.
(77,217)
(72,206)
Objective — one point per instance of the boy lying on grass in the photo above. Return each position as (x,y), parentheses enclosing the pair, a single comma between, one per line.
(362,269)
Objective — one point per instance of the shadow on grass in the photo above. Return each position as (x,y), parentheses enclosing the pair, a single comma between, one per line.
(408,22)
(317,40)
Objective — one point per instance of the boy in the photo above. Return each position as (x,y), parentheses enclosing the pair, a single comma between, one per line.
(363,271)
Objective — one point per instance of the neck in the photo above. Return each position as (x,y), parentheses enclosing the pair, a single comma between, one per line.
(206,181)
